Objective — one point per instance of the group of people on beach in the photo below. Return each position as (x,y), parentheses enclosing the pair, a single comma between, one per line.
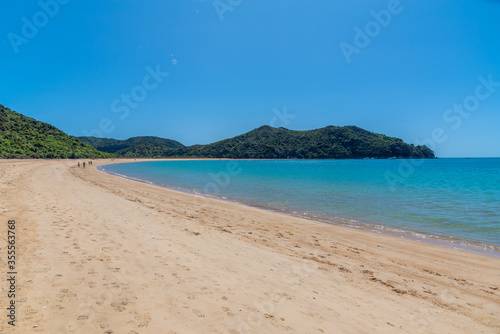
(83,164)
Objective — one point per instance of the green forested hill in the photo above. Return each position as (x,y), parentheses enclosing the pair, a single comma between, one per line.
(331,142)
(21,136)
(25,137)
(134,147)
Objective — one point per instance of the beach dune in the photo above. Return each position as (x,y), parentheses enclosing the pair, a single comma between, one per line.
(97,253)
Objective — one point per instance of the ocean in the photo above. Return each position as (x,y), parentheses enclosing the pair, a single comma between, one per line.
(450,201)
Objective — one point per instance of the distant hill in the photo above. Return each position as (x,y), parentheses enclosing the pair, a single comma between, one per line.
(21,137)
(331,142)
(25,137)
(134,147)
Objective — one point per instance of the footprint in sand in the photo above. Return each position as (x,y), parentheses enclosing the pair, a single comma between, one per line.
(100,299)
(198,313)
(115,285)
(143,320)
(102,323)
(228,311)
(65,293)
(119,306)
(29,313)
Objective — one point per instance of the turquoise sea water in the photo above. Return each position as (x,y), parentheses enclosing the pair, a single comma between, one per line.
(455,200)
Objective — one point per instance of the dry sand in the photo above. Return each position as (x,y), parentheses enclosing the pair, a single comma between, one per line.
(101,254)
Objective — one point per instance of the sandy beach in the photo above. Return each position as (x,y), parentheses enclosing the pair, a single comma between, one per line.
(97,253)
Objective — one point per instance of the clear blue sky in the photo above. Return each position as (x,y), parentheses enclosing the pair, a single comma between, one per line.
(77,66)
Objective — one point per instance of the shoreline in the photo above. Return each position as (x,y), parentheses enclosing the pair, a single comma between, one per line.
(101,253)
(420,236)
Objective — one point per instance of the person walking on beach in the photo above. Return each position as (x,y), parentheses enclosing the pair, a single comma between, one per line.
(84,165)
